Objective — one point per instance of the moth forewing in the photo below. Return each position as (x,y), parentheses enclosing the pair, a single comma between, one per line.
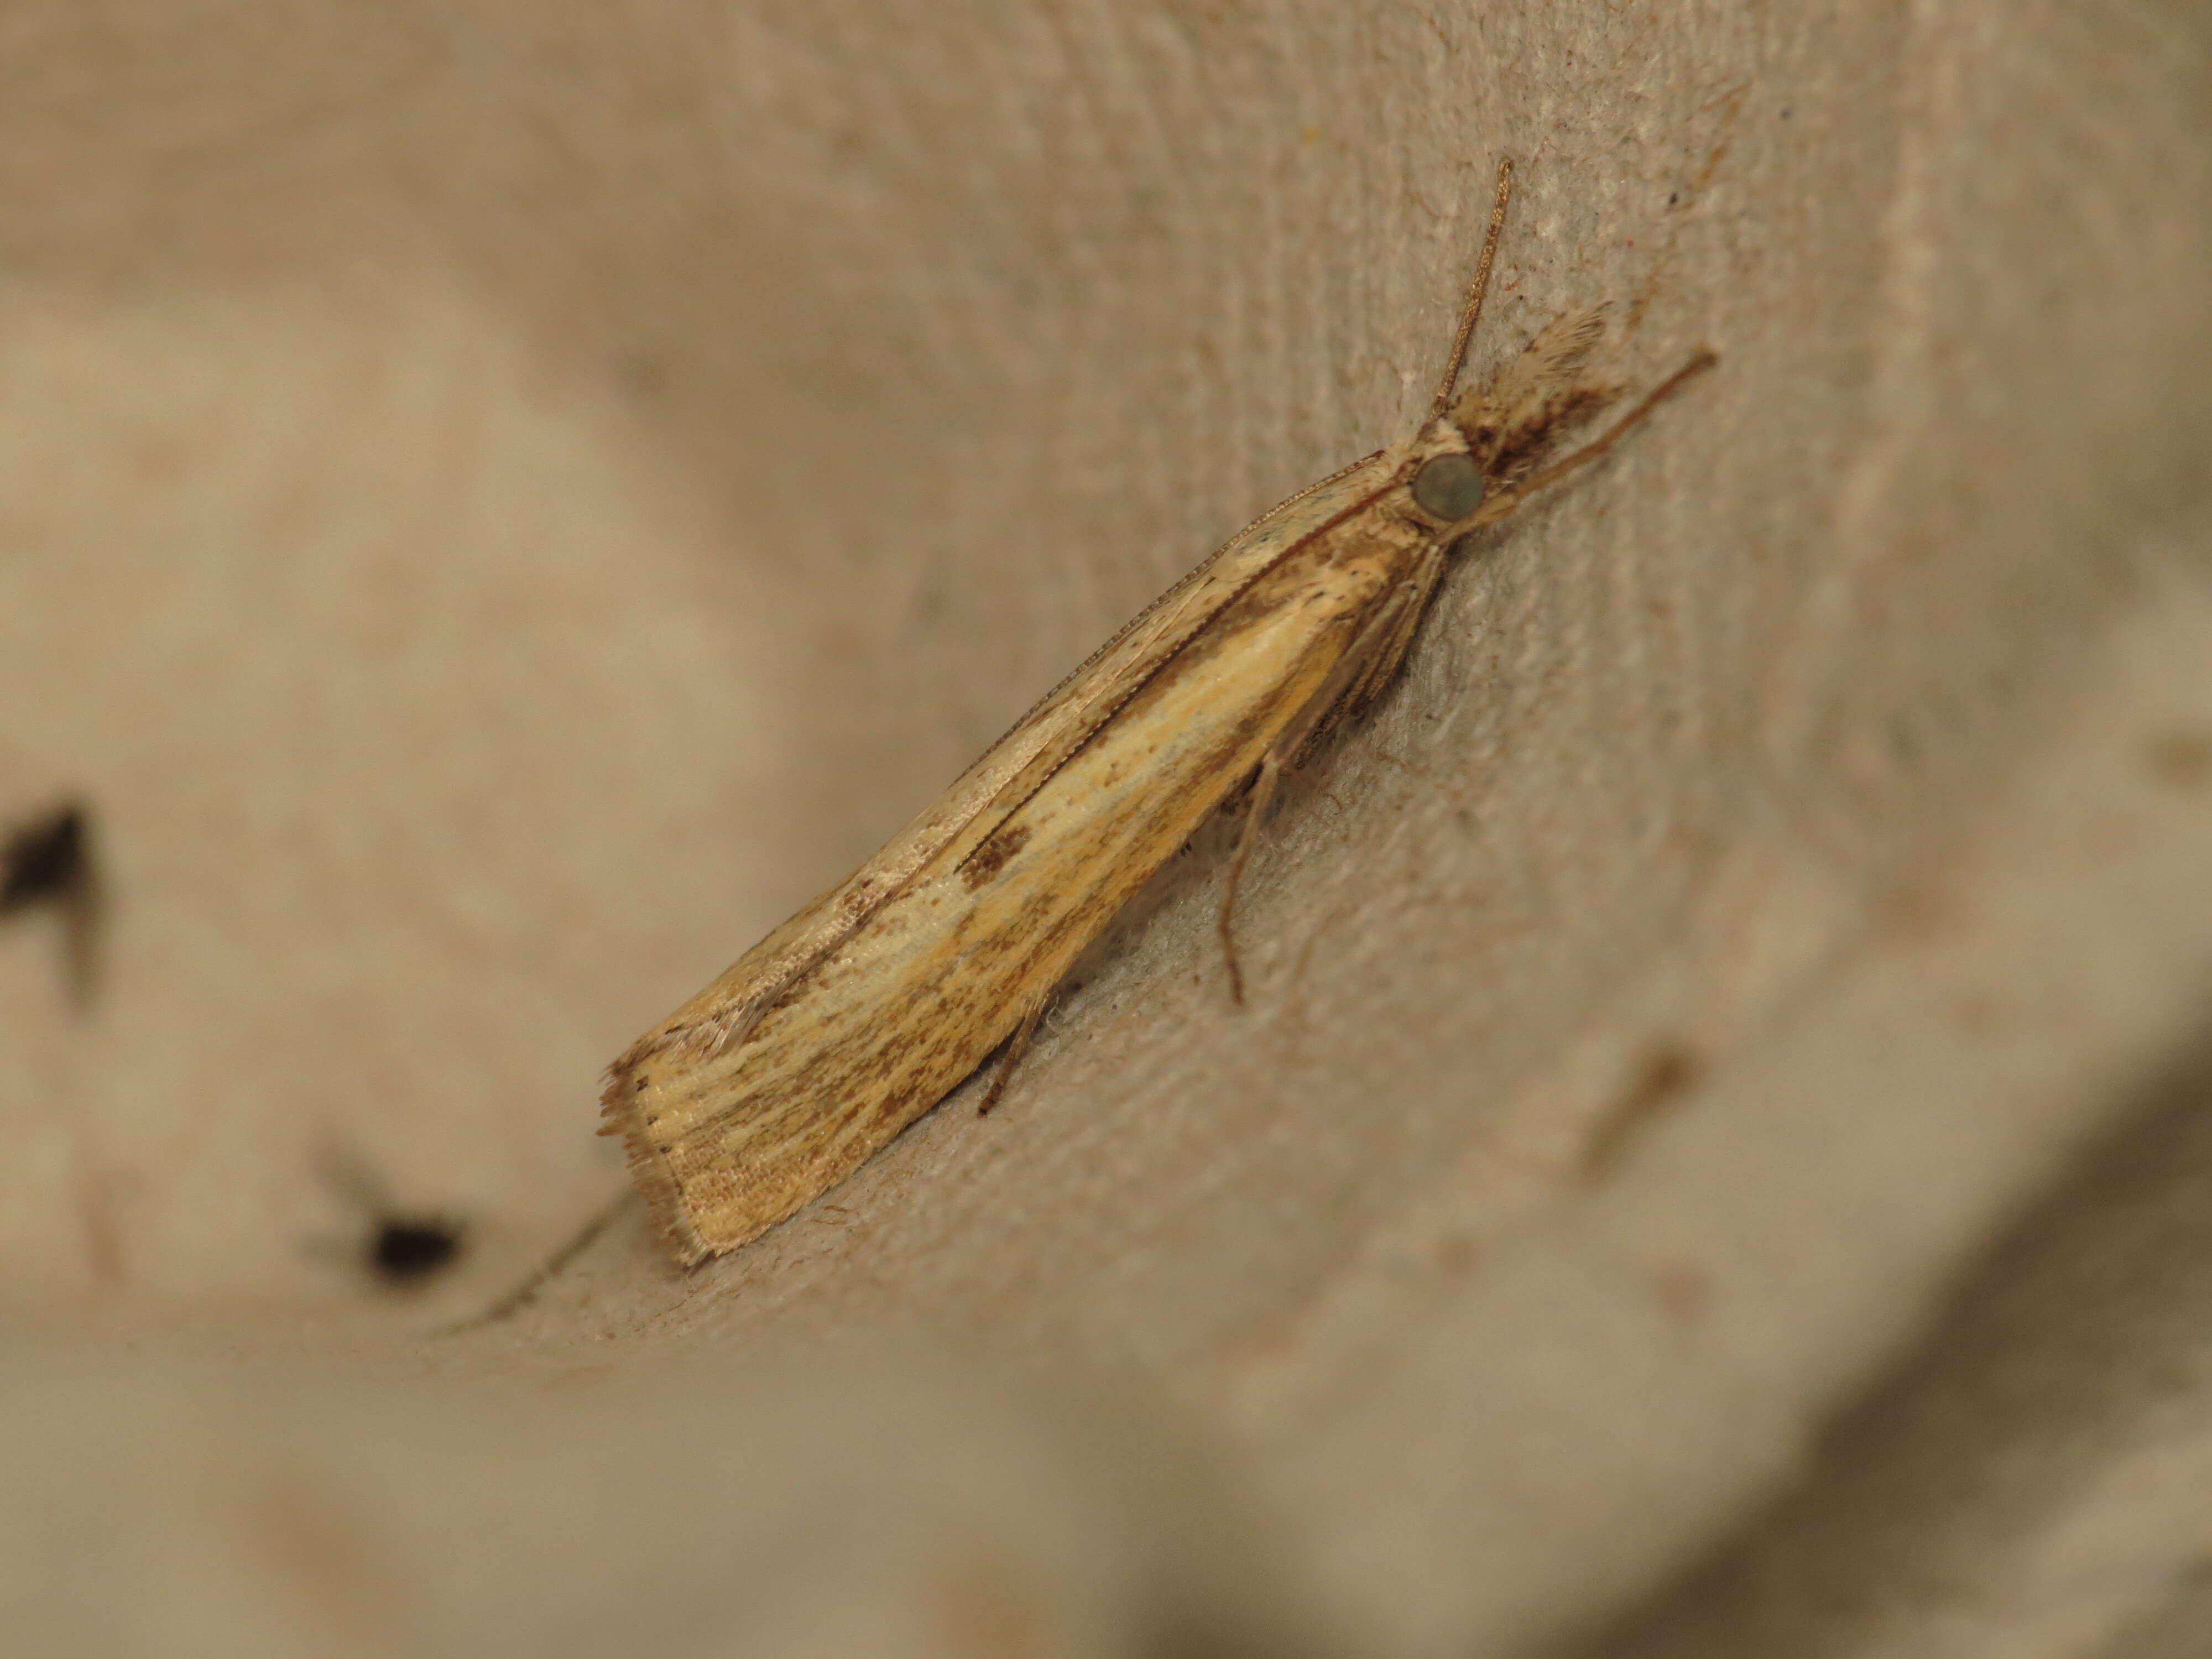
(729,1135)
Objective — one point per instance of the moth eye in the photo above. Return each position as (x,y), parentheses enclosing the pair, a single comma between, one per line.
(1447,486)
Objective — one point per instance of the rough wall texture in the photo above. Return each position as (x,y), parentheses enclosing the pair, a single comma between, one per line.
(502,502)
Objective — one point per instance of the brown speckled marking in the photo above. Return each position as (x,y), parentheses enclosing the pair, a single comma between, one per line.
(987,860)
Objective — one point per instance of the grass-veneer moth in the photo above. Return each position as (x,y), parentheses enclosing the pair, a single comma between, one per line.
(871,1004)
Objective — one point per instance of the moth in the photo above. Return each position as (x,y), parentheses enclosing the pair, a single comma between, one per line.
(867,1008)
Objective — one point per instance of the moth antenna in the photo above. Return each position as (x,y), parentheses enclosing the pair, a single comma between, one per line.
(1476,289)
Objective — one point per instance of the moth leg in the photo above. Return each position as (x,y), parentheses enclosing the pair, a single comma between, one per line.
(1263,795)
(1389,656)
(1016,1045)
(1367,666)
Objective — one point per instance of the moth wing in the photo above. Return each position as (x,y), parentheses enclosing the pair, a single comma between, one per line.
(915,996)
(1040,742)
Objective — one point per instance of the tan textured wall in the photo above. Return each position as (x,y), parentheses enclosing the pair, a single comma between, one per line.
(502,502)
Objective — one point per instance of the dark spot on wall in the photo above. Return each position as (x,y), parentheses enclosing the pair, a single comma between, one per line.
(407,1250)
(2179,759)
(1668,1070)
(1455,1253)
(1684,1291)
(46,859)
(1916,909)
(49,861)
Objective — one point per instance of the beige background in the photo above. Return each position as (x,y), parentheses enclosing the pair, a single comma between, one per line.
(502,502)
